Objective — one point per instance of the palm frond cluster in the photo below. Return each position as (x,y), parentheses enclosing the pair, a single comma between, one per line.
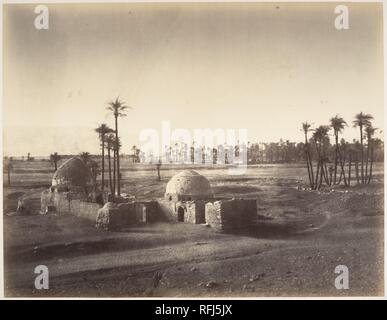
(110,141)
(347,157)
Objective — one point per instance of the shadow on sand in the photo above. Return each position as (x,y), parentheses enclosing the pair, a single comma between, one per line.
(270,229)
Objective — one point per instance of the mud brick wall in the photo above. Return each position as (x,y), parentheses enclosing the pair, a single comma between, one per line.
(231,214)
(213,211)
(120,215)
(195,211)
(75,206)
(238,213)
(140,212)
(115,217)
(61,202)
(126,214)
(152,212)
(167,210)
(46,199)
(83,209)
(87,210)
(123,215)
(200,211)
(189,211)
(66,202)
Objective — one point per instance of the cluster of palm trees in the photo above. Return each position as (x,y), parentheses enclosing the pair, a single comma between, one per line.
(345,154)
(111,143)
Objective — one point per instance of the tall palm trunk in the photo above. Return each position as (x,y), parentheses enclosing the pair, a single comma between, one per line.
(311,169)
(103,162)
(336,156)
(362,154)
(324,166)
(316,183)
(118,159)
(9,176)
(321,175)
(110,171)
(317,174)
(372,161)
(357,169)
(368,155)
(342,164)
(114,172)
(349,167)
(325,172)
(308,162)
(340,177)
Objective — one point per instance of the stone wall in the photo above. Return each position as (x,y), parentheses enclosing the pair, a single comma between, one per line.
(152,211)
(116,216)
(46,201)
(231,214)
(213,211)
(200,211)
(86,210)
(59,200)
(68,203)
(221,215)
(195,212)
(190,212)
(167,210)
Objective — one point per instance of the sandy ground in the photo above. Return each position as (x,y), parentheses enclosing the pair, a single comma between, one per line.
(292,249)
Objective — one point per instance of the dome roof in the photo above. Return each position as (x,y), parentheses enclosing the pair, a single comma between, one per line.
(72,173)
(188,185)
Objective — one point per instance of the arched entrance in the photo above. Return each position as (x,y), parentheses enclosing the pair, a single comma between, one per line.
(180,214)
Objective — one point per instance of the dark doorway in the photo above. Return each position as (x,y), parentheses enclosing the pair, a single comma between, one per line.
(180,214)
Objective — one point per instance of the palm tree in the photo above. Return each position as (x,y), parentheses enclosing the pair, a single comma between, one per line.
(320,136)
(356,148)
(85,157)
(343,151)
(9,170)
(337,124)
(102,131)
(370,131)
(350,153)
(114,165)
(117,107)
(306,128)
(116,148)
(362,120)
(94,170)
(55,157)
(110,139)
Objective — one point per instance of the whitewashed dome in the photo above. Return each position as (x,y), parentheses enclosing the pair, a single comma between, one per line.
(188,185)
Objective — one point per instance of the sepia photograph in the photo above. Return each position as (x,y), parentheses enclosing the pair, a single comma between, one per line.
(193,150)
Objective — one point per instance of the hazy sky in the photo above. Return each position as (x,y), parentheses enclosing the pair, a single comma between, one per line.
(263,67)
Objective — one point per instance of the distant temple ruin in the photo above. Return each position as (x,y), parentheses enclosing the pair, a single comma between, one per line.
(188,198)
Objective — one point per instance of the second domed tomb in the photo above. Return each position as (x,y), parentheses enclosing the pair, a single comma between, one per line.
(69,182)
(72,175)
